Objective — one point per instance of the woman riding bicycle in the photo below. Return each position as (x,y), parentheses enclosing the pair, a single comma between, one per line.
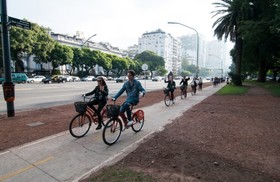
(132,88)
(171,86)
(100,98)
(184,83)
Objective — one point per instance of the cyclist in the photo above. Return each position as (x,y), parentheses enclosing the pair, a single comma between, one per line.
(100,98)
(194,85)
(133,88)
(171,86)
(184,83)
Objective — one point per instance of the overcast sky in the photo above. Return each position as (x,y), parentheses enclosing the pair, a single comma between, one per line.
(119,22)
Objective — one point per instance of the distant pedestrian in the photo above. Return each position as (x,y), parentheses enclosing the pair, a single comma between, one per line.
(200,82)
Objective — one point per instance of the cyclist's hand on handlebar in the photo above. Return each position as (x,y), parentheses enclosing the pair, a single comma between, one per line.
(143,94)
(113,99)
(84,95)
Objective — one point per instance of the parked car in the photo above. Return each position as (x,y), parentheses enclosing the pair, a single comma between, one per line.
(76,78)
(55,79)
(68,78)
(121,79)
(17,78)
(110,78)
(89,78)
(36,79)
(157,78)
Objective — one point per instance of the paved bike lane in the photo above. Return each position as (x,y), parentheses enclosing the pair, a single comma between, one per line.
(63,158)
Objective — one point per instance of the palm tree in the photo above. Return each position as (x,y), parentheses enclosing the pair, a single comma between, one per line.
(232,13)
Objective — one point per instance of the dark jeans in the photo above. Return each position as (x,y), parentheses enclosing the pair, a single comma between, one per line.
(100,104)
(126,107)
(171,94)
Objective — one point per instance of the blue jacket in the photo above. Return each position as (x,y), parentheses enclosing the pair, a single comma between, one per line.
(132,90)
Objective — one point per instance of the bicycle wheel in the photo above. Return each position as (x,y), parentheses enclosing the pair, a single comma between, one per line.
(167,100)
(80,125)
(112,131)
(104,117)
(139,123)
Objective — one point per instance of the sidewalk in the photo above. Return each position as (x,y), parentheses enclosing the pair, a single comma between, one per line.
(64,158)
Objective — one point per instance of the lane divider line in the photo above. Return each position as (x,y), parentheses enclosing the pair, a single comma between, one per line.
(12,174)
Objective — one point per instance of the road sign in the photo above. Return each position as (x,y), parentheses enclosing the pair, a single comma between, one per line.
(145,67)
(19,23)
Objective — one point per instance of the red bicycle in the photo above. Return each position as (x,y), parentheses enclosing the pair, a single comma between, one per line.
(116,125)
(81,123)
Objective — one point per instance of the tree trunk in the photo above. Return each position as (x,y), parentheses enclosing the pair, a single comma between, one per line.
(238,47)
(262,70)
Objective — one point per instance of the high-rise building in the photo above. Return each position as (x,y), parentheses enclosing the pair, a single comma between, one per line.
(164,45)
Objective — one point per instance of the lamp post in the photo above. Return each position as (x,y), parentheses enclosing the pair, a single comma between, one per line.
(220,60)
(88,40)
(197,43)
(82,47)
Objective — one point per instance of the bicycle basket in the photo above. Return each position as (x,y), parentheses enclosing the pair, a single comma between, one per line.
(81,107)
(165,91)
(113,110)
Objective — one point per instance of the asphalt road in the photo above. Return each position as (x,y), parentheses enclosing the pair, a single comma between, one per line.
(38,95)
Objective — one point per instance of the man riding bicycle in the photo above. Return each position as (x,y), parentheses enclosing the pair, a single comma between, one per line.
(133,88)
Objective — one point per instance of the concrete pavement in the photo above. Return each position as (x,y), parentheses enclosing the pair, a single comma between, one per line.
(63,158)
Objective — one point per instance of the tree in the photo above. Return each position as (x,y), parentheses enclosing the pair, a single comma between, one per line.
(119,65)
(227,26)
(43,44)
(161,71)
(77,59)
(105,61)
(151,59)
(21,42)
(61,55)
(89,59)
(27,42)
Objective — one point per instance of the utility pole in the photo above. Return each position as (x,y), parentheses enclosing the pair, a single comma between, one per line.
(8,85)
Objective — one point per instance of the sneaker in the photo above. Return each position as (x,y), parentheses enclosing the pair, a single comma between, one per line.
(129,123)
(173,102)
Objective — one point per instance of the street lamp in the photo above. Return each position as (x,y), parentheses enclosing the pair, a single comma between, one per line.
(220,60)
(197,43)
(88,39)
(82,47)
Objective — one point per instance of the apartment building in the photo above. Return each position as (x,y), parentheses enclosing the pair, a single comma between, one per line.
(164,45)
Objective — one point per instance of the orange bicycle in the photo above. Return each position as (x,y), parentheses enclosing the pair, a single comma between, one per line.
(116,125)
(81,123)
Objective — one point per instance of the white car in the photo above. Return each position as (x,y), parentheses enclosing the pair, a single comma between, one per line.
(89,78)
(157,79)
(36,79)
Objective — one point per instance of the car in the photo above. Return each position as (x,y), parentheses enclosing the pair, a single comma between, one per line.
(121,79)
(157,78)
(75,79)
(110,78)
(17,78)
(55,79)
(36,79)
(68,78)
(89,78)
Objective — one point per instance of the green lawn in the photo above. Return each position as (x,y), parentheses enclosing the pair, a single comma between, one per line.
(273,87)
(233,90)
